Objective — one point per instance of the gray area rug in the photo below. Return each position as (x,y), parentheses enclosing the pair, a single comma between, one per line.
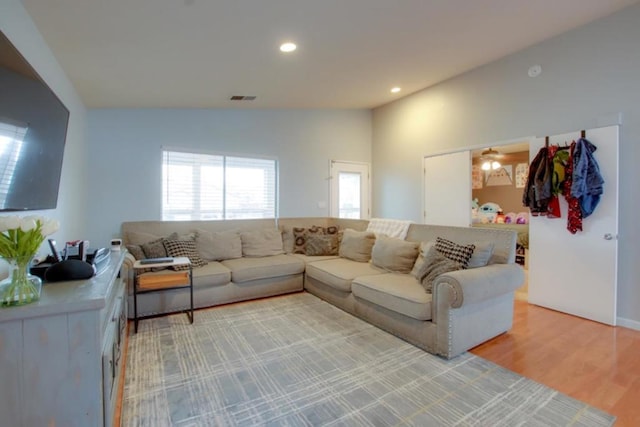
(298,361)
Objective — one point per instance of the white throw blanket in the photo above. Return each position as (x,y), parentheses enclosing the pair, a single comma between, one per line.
(389,227)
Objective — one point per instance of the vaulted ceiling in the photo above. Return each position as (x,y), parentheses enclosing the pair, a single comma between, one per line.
(199,53)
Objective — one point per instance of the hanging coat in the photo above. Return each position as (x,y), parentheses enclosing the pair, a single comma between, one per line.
(587,184)
(537,192)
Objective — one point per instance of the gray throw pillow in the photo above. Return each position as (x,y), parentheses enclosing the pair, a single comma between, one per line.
(481,254)
(136,251)
(154,249)
(151,245)
(357,245)
(435,264)
(138,254)
(424,249)
(394,254)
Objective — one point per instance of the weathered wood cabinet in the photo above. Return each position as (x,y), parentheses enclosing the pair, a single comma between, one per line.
(60,357)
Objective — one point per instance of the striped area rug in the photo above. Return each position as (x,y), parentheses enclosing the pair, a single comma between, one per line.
(296,360)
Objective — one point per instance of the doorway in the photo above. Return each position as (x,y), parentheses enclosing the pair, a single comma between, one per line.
(498,180)
(350,190)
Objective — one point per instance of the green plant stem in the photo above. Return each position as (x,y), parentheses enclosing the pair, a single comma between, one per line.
(21,290)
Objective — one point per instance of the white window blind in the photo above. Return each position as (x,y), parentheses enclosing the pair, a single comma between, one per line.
(11,138)
(206,186)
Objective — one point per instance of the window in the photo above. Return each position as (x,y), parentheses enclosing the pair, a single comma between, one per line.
(349,190)
(199,186)
(11,137)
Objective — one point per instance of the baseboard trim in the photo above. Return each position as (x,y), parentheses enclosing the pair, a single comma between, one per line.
(628,323)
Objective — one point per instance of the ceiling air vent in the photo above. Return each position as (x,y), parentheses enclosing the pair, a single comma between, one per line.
(242,98)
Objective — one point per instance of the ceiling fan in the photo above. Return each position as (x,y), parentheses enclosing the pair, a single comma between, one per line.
(489,159)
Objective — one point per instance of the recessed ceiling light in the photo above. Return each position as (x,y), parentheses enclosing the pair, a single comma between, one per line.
(288,47)
(395,89)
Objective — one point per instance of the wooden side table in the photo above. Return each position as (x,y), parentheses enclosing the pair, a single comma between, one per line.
(162,282)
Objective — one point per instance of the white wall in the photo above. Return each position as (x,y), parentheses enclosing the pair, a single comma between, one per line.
(589,76)
(125,155)
(17,25)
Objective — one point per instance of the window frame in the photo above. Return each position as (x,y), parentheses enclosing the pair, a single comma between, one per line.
(195,212)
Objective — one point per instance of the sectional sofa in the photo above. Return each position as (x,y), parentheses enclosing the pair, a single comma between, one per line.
(248,259)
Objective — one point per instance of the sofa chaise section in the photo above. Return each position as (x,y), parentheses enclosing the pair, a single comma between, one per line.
(465,308)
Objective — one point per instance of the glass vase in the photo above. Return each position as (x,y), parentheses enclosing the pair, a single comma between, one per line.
(20,287)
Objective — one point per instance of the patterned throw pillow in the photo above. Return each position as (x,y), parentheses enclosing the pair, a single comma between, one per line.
(184,248)
(322,244)
(435,264)
(300,236)
(455,252)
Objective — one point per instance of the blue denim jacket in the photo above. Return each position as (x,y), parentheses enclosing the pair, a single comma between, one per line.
(587,184)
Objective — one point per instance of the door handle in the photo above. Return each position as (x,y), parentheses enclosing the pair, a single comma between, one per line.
(608,236)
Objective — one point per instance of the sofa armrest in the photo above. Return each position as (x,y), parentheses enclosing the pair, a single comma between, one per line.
(479,284)
(127,272)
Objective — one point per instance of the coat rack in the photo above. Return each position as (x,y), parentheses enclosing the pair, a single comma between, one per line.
(583,134)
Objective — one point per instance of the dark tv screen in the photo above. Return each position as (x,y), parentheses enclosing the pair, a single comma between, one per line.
(33,129)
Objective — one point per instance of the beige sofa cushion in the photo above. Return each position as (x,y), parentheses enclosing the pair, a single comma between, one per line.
(140,238)
(396,292)
(261,243)
(247,269)
(394,255)
(357,245)
(340,272)
(219,245)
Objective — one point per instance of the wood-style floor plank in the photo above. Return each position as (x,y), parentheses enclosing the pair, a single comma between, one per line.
(592,362)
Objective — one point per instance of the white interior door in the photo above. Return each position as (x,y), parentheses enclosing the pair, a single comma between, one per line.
(577,273)
(447,189)
(349,192)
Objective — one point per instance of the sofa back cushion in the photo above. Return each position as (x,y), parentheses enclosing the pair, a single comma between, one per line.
(219,245)
(504,241)
(357,245)
(261,243)
(393,254)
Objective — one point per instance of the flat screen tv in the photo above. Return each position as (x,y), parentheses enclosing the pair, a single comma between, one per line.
(33,130)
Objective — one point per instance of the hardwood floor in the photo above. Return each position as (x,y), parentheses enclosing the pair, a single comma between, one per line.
(592,362)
